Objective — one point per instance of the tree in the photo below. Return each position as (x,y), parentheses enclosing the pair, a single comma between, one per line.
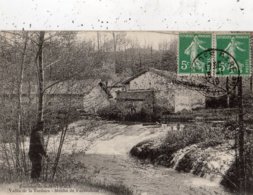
(241,141)
(72,64)
(20,93)
(39,64)
(33,61)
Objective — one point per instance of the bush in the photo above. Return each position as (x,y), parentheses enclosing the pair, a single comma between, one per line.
(193,134)
(205,136)
(160,111)
(142,116)
(110,112)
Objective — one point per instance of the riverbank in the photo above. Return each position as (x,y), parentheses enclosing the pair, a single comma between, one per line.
(205,151)
(97,152)
(208,162)
(106,160)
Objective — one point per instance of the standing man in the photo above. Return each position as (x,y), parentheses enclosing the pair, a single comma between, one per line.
(37,150)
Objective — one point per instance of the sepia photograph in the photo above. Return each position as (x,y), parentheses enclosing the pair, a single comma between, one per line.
(126,112)
(137,97)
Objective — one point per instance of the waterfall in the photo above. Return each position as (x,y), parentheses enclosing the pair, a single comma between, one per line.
(180,154)
(210,163)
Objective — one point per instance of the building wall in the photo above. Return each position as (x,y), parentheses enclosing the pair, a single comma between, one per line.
(133,102)
(186,99)
(168,96)
(164,99)
(8,99)
(63,101)
(164,92)
(95,100)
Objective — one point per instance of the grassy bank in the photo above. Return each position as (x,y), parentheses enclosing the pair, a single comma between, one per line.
(203,135)
(69,175)
(77,172)
(202,149)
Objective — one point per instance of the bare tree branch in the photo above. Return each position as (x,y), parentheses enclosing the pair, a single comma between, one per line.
(49,65)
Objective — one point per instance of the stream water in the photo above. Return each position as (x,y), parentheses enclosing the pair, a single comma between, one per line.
(105,154)
(108,161)
(145,179)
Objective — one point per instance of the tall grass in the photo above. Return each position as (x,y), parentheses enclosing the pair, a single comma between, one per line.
(205,134)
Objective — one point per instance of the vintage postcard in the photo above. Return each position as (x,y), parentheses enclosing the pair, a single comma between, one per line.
(126,112)
(104,97)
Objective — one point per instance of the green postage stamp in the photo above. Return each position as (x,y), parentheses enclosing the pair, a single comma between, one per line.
(190,46)
(238,46)
(217,55)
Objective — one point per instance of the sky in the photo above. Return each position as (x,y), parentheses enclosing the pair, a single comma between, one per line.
(144,38)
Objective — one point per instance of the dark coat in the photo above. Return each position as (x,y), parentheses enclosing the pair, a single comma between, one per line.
(36,149)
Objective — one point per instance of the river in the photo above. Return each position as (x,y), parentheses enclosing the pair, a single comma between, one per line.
(107,160)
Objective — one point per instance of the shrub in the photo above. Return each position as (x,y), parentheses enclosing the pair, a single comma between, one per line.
(142,116)
(205,136)
(110,112)
(193,134)
(160,111)
(229,129)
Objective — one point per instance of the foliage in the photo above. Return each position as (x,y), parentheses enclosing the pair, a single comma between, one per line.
(203,135)
(193,134)
(110,112)
(231,179)
(159,111)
